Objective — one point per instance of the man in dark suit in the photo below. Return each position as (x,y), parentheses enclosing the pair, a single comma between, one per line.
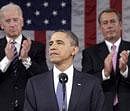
(19,60)
(84,92)
(110,64)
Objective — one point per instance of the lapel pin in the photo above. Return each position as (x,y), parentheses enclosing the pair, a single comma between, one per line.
(78,84)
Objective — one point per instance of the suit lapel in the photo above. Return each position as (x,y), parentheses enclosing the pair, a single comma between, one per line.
(3,43)
(103,51)
(50,91)
(78,84)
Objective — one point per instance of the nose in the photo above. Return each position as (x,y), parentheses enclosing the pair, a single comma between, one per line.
(109,25)
(12,23)
(53,46)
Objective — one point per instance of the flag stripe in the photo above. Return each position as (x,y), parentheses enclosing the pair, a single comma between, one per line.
(116,4)
(101,5)
(126,19)
(40,36)
(90,22)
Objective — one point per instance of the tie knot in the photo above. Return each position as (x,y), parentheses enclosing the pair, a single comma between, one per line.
(63,78)
(13,42)
(113,47)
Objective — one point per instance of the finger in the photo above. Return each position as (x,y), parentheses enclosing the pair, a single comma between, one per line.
(123,61)
(124,53)
(26,43)
(128,52)
(29,41)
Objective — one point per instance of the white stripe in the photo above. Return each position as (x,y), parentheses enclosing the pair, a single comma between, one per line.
(29,34)
(101,5)
(25,33)
(78,28)
(126,19)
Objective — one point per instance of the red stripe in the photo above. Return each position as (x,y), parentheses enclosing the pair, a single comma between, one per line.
(116,4)
(40,36)
(90,22)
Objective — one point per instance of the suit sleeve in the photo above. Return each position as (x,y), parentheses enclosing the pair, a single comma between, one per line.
(38,58)
(91,65)
(29,104)
(97,103)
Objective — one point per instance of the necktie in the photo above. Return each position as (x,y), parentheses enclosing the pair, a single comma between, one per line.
(15,61)
(114,58)
(61,97)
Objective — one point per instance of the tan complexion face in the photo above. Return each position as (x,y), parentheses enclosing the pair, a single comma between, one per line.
(61,50)
(110,26)
(12,22)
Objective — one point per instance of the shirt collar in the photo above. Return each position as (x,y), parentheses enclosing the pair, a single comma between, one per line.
(109,44)
(68,71)
(17,40)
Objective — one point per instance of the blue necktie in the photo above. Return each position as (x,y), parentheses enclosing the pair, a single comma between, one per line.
(61,97)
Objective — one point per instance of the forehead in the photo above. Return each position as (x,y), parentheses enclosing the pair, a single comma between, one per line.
(107,16)
(59,36)
(11,12)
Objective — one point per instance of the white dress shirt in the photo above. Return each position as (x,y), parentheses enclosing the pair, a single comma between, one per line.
(5,62)
(109,45)
(69,73)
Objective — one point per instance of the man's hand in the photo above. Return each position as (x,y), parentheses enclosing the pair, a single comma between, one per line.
(108,64)
(123,60)
(25,49)
(9,51)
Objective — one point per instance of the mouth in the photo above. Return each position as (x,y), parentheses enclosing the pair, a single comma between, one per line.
(53,54)
(110,31)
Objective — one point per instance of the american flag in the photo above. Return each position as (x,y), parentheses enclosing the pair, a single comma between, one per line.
(41,17)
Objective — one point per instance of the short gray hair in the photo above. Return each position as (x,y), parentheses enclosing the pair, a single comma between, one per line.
(8,6)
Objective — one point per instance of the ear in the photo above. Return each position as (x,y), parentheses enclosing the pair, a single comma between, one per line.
(22,21)
(75,51)
(99,27)
(121,25)
(1,26)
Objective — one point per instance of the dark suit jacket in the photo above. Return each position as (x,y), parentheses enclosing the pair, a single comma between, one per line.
(40,93)
(12,87)
(93,62)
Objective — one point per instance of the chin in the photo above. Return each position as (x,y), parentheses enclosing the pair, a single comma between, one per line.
(54,61)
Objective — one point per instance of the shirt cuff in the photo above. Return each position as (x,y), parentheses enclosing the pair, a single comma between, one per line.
(4,64)
(104,77)
(125,74)
(27,62)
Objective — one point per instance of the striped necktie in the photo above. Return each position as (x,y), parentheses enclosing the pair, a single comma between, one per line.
(15,60)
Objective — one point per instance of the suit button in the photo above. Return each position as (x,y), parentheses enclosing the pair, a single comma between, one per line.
(16,87)
(16,103)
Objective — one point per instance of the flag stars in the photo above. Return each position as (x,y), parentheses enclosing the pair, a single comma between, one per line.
(28,21)
(28,4)
(46,21)
(63,22)
(37,12)
(63,4)
(45,4)
(54,13)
